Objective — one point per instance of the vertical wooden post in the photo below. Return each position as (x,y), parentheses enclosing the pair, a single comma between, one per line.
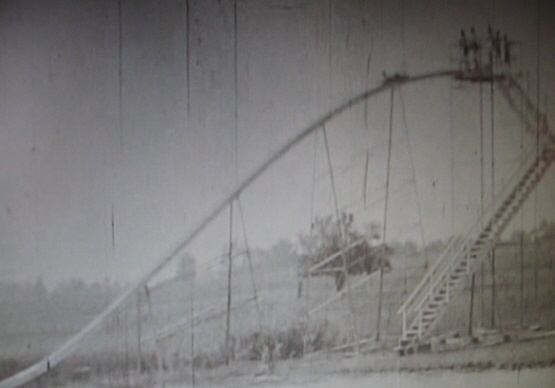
(522,305)
(419,323)
(404,319)
(471,308)
(139,329)
(379,305)
(447,294)
(383,256)
(493,285)
(229,273)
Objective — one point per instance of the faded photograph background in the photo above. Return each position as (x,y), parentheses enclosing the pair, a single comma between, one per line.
(69,159)
(123,124)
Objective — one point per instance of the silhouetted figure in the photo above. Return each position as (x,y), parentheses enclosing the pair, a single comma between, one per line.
(463,43)
(475,48)
(495,51)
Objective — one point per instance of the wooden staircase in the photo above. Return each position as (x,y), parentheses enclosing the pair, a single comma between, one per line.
(427,303)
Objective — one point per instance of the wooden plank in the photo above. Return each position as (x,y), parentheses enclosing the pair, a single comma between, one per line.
(335,255)
(341,293)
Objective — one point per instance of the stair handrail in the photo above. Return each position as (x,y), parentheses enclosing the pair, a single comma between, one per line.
(530,154)
(539,122)
(539,117)
(547,138)
(468,244)
(458,247)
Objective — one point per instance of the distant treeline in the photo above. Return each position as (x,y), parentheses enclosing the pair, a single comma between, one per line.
(31,308)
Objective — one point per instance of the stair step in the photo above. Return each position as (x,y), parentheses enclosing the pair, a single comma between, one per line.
(480,246)
(404,342)
(423,327)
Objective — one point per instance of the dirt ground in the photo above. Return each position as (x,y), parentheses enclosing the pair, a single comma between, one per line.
(511,356)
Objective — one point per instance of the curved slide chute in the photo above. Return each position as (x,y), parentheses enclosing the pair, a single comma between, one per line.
(66,349)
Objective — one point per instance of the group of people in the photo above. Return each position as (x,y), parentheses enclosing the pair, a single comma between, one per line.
(471,49)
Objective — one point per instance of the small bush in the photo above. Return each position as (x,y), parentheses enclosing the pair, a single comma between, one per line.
(290,343)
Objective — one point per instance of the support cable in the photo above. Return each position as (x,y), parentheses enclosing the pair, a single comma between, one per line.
(139,333)
(236,144)
(367,85)
(343,236)
(471,307)
(482,175)
(188,55)
(365,184)
(404,62)
(236,90)
(333,188)
(126,373)
(120,73)
(229,273)
(388,173)
(452,161)
(113,229)
(249,259)
(313,193)
(193,331)
(521,252)
(330,51)
(493,284)
(521,240)
(538,69)
(414,182)
(188,97)
(482,194)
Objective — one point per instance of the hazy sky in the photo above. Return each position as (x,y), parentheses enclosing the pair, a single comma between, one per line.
(69,160)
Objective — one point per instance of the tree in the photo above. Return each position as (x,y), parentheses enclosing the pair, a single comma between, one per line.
(329,237)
